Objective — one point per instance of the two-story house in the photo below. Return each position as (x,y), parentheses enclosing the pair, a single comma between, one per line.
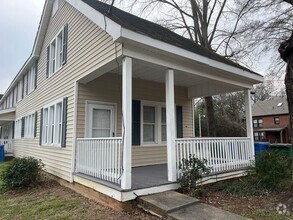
(105,100)
(271,121)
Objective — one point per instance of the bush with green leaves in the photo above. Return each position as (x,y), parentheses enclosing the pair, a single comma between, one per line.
(22,172)
(273,170)
(192,170)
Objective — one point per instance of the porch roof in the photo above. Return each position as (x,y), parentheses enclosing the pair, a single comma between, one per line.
(276,129)
(158,32)
(7,115)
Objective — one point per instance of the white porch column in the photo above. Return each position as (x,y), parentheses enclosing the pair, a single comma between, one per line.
(248,116)
(127,121)
(170,116)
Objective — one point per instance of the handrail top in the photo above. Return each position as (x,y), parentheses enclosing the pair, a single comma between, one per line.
(92,139)
(212,138)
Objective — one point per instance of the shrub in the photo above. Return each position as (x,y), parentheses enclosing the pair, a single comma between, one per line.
(273,170)
(22,172)
(192,170)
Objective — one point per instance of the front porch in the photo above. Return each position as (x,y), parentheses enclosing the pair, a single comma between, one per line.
(135,125)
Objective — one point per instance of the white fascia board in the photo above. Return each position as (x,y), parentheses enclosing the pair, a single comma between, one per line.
(109,26)
(127,34)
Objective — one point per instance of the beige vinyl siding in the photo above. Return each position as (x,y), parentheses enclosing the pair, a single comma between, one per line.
(107,88)
(88,48)
(7,116)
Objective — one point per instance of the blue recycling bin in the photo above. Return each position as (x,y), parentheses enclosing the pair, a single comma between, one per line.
(2,153)
(259,147)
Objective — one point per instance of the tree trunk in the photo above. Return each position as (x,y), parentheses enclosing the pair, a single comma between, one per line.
(286,53)
(210,117)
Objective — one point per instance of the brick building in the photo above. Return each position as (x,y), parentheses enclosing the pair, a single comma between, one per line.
(271,121)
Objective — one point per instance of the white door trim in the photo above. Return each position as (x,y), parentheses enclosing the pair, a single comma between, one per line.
(101,105)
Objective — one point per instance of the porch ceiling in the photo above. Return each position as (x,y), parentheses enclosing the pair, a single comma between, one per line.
(199,86)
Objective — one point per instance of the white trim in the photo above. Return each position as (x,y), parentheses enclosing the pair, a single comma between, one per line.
(127,34)
(99,103)
(5,111)
(98,18)
(57,55)
(48,106)
(248,118)
(158,123)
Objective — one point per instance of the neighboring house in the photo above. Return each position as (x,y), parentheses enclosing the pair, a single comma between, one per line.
(271,121)
(105,100)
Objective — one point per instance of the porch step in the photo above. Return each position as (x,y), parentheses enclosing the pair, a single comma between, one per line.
(173,205)
(163,203)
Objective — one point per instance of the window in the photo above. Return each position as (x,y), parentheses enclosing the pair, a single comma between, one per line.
(277,120)
(17,129)
(55,7)
(258,136)
(29,126)
(100,120)
(19,90)
(153,123)
(257,123)
(31,79)
(57,52)
(52,124)
(14,96)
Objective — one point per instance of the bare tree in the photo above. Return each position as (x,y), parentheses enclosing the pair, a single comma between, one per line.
(212,24)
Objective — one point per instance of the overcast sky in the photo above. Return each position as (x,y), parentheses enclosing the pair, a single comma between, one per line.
(19,20)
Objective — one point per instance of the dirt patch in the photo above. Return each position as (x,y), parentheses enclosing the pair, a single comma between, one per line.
(267,206)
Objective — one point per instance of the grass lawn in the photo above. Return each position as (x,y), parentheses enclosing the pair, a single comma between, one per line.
(49,200)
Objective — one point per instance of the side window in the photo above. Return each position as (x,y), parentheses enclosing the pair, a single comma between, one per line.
(57,52)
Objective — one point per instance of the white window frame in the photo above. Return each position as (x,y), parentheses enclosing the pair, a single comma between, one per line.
(29,125)
(55,7)
(158,123)
(19,90)
(55,59)
(88,116)
(48,123)
(31,79)
(17,128)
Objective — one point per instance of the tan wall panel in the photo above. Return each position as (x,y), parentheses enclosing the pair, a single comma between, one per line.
(88,47)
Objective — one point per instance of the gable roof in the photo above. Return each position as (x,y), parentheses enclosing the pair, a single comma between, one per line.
(153,30)
(270,107)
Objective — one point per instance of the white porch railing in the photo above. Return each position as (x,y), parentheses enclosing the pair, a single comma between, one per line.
(100,158)
(8,145)
(222,154)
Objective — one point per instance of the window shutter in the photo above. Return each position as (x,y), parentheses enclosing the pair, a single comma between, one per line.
(41,126)
(36,120)
(22,127)
(36,74)
(64,123)
(65,38)
(13,129)
(1,133)
(48,61)
(136,122)
(179,121)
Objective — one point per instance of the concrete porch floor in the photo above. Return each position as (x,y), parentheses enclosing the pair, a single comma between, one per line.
(142,177)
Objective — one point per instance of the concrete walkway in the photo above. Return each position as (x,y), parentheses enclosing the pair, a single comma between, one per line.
(179,206)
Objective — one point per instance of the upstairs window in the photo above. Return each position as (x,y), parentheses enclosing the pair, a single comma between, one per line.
(257,123)
(57,52)
(277,120)
(31,79)
(55,7)
(19,90)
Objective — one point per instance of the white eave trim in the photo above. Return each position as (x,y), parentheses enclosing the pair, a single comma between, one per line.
(127,34)
(5,111)
(109,26)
